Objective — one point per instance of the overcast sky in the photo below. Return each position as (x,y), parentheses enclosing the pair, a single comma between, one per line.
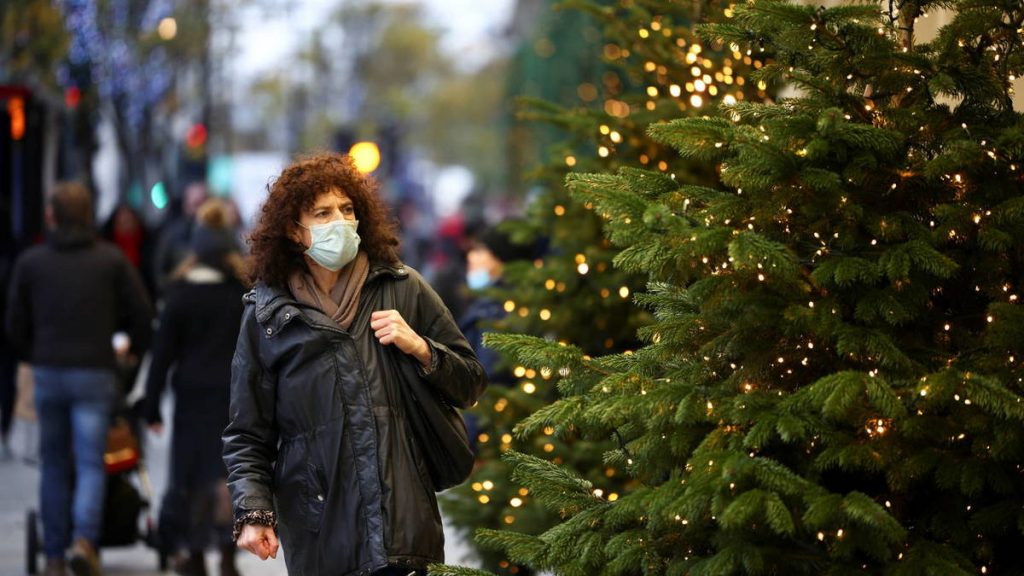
(265,42)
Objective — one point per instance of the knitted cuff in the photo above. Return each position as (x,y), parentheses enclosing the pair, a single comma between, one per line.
(255,517)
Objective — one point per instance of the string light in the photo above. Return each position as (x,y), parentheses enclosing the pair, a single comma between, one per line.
(877,427)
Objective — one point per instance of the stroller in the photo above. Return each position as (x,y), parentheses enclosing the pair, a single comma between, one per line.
(128,496)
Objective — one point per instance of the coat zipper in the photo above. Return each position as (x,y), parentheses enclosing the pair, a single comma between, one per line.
(373,418)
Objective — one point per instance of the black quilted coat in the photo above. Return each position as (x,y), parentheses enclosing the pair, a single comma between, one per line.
(317,432)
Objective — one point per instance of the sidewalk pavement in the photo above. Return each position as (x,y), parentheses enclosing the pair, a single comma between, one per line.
(19,482)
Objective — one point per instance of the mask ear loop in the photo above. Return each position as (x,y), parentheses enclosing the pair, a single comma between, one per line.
(300,243)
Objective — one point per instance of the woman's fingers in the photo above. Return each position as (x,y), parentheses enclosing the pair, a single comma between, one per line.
(259,540)
(388,326)
(382,318)
(249,545)
(274,544)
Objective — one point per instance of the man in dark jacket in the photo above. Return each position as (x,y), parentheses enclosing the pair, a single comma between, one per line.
(67,299)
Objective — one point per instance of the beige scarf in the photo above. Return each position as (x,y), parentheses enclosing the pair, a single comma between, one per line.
(343,301)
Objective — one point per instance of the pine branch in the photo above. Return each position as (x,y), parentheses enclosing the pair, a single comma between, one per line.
(534,351)
(932,558)
(521,548)
(556,488)
(836,340)
(860,508)
(756,504)
(991,394)
(446,570)
(560,414)
(753,252)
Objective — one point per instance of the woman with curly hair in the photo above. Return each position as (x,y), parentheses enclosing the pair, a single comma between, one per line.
(318,448)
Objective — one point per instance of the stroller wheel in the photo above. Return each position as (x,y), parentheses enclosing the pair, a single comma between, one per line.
(31,542)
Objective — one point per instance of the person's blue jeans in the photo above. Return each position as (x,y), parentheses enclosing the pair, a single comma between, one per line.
(74,407)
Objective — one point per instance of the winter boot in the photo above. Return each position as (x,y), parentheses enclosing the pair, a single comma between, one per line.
(84,560)
(192,565)
(55,567)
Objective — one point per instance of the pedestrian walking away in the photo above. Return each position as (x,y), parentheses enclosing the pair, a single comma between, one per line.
(67,299)
(320,448)
(195,342)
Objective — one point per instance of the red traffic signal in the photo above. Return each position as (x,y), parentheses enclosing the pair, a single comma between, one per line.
(196,136)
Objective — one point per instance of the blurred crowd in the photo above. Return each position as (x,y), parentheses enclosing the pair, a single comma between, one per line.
(171,296)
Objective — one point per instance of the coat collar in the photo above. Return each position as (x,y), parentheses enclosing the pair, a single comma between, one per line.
(69,238)
(269,299)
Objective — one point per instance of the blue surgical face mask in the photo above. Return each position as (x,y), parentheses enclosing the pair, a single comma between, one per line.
(478,279)
(334,244)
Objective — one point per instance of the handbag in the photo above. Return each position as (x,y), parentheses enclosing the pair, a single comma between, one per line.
(122,452)
(436,427)
(439,432)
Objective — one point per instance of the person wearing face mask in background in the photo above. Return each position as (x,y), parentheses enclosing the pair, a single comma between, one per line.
(489,251)
(318,447)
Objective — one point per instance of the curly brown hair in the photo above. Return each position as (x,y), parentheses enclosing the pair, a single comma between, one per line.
(275,255)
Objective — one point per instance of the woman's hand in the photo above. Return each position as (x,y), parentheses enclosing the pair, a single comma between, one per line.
(260,540)
(390,328)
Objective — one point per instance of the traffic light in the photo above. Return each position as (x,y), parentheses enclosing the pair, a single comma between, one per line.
(366,156)
(16,110)
(195,139)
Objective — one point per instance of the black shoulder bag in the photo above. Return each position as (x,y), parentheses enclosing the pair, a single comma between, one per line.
(437,428)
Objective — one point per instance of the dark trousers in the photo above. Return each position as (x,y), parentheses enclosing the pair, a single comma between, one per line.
(196,509)
(8,390)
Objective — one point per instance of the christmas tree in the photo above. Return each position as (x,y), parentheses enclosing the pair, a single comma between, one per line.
(573,294)
(832,383)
